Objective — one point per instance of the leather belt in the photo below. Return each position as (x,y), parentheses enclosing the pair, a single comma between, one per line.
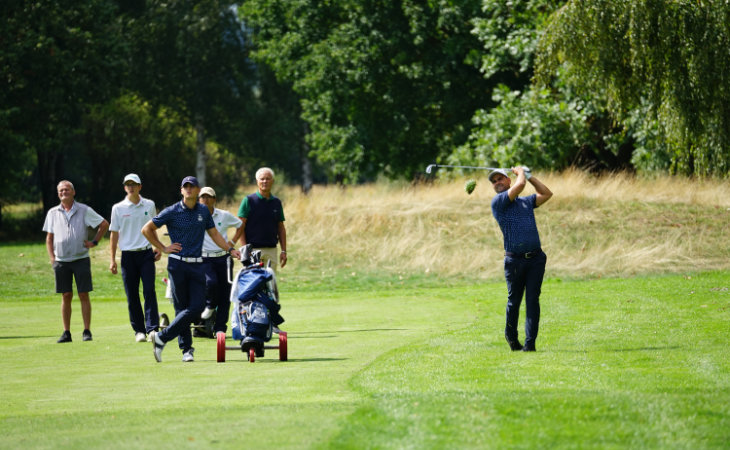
(185,258)
(214,254)
(141,249)
(527,255)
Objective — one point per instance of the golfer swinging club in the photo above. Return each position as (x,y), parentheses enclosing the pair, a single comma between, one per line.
(524,260)
(187,222)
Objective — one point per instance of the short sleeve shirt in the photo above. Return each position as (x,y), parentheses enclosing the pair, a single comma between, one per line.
(128,219)
(186,226)
(69,230)
(517,221)
(223,221)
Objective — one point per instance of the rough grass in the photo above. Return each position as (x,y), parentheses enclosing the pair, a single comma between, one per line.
(615,225)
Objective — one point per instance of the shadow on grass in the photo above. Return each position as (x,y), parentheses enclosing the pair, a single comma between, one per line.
(646,349)
(272,360)
(370,330)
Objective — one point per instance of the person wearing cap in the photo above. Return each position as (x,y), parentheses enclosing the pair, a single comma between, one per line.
(138,256)
(187,222)
(263,220)
(218,289)
(524,260)
(66,228)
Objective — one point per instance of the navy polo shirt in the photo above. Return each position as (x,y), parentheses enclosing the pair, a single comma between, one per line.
(517,221)
(186,226)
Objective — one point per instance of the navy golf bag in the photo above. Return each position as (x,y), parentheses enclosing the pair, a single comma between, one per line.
(255,301)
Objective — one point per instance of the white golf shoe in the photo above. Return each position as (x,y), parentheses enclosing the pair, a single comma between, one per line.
(188,355)
(207,313)
(140,337)
(157,345)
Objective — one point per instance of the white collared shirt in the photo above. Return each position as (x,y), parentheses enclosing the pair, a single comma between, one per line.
(223,221)
(128,219)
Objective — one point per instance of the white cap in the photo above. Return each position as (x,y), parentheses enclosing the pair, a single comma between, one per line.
(495,172)
(132,177)
(207,190)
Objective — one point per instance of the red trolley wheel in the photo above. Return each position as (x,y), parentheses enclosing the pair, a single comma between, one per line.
(282,346)
(221,347)
(251,354)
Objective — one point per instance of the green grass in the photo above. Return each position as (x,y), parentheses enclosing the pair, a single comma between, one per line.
(409,363)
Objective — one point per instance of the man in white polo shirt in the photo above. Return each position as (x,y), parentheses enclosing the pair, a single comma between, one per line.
(66,228)
(217,287)
(138,256)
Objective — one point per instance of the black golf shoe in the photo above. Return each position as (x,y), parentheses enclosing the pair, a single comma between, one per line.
(65,337)
(87,335)
(514,345)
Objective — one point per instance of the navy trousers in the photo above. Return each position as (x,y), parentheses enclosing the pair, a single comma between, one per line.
(138,266)
(524,276)
(218,290)
(187,282)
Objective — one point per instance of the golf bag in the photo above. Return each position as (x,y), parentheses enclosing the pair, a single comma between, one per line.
(255,301)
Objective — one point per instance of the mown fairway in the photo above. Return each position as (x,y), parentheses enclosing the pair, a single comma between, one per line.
(633,363)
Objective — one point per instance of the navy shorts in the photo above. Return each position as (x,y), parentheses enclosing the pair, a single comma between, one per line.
(68,270)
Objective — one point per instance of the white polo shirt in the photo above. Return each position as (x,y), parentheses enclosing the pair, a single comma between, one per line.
(69,230)
(128,219)
(223,221)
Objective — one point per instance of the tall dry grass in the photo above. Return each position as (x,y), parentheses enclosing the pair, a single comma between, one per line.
(615,225)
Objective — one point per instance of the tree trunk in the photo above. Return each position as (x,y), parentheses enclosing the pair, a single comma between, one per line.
(202,159)
(48,168)
(306,163)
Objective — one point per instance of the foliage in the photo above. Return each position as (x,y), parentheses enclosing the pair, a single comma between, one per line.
(384,85)
(672,55)
(56,57)
(531,129)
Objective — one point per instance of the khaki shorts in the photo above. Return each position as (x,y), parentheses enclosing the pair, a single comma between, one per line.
(269,254)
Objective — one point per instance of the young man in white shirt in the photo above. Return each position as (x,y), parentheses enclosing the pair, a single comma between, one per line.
(217,287)
(138,256)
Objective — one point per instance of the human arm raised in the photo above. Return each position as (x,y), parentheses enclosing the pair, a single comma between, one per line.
(519,185)
(543,193)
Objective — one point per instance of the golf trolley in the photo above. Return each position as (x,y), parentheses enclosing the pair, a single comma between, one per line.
(255,310)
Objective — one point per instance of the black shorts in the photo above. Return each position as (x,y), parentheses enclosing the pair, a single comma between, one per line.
(66,270)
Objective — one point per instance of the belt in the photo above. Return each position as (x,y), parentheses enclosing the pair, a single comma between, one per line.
(141,249)
(214,254)
(527,255)
(185,258)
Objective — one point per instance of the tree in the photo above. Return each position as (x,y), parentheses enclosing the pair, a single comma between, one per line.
(57,57)
(193,57)
(671,56)
(384,85)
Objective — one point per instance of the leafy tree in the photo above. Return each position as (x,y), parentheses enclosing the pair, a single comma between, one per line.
(193,57)
(384,85)
(57,57)
(672,57)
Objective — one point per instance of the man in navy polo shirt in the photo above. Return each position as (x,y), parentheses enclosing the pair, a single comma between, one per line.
(187,222)
(263,220)
(524,260)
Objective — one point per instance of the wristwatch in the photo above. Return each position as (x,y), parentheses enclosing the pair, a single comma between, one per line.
(95,242)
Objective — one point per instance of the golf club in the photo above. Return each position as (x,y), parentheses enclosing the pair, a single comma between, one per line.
(432,166)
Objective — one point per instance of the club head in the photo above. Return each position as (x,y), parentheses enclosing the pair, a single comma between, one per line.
(430,168)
